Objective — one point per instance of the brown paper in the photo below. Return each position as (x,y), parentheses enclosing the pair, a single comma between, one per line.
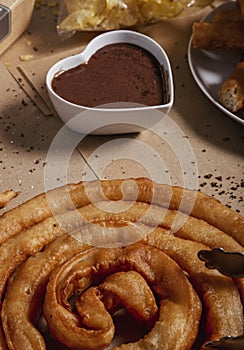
(25,139)
(30,90)
(36,79)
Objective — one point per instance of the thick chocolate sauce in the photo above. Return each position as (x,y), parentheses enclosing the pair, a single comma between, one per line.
(115,73)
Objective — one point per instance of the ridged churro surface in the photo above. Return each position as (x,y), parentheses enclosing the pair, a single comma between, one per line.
(80,253)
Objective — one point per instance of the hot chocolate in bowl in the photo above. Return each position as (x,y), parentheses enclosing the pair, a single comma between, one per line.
(122,82)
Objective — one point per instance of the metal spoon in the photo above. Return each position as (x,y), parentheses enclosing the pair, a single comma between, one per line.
(228,263)
(226,343)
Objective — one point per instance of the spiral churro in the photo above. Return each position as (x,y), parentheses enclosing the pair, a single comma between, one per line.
(99,237)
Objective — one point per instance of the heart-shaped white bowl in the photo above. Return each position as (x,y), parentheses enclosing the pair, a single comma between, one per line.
(112,118)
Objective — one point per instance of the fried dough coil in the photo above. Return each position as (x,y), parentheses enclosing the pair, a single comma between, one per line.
(183,226)
(208,283)
(29,282)
(111,295)
(28,242)
(18,248)
(115,213)
(142,190)
(164,276)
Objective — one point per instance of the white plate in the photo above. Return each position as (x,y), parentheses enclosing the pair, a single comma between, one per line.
(211,68)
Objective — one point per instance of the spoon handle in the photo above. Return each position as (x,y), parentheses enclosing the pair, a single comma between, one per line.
(228,343)
(228,263)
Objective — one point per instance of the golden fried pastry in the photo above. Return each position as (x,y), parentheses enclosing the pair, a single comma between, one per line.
(182,225)
(208,283)
(215,35)
(6,196)
(226,31)
(19,314)
(97,240)
(180,309)
(231,94)
(74,196)
(126,289)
